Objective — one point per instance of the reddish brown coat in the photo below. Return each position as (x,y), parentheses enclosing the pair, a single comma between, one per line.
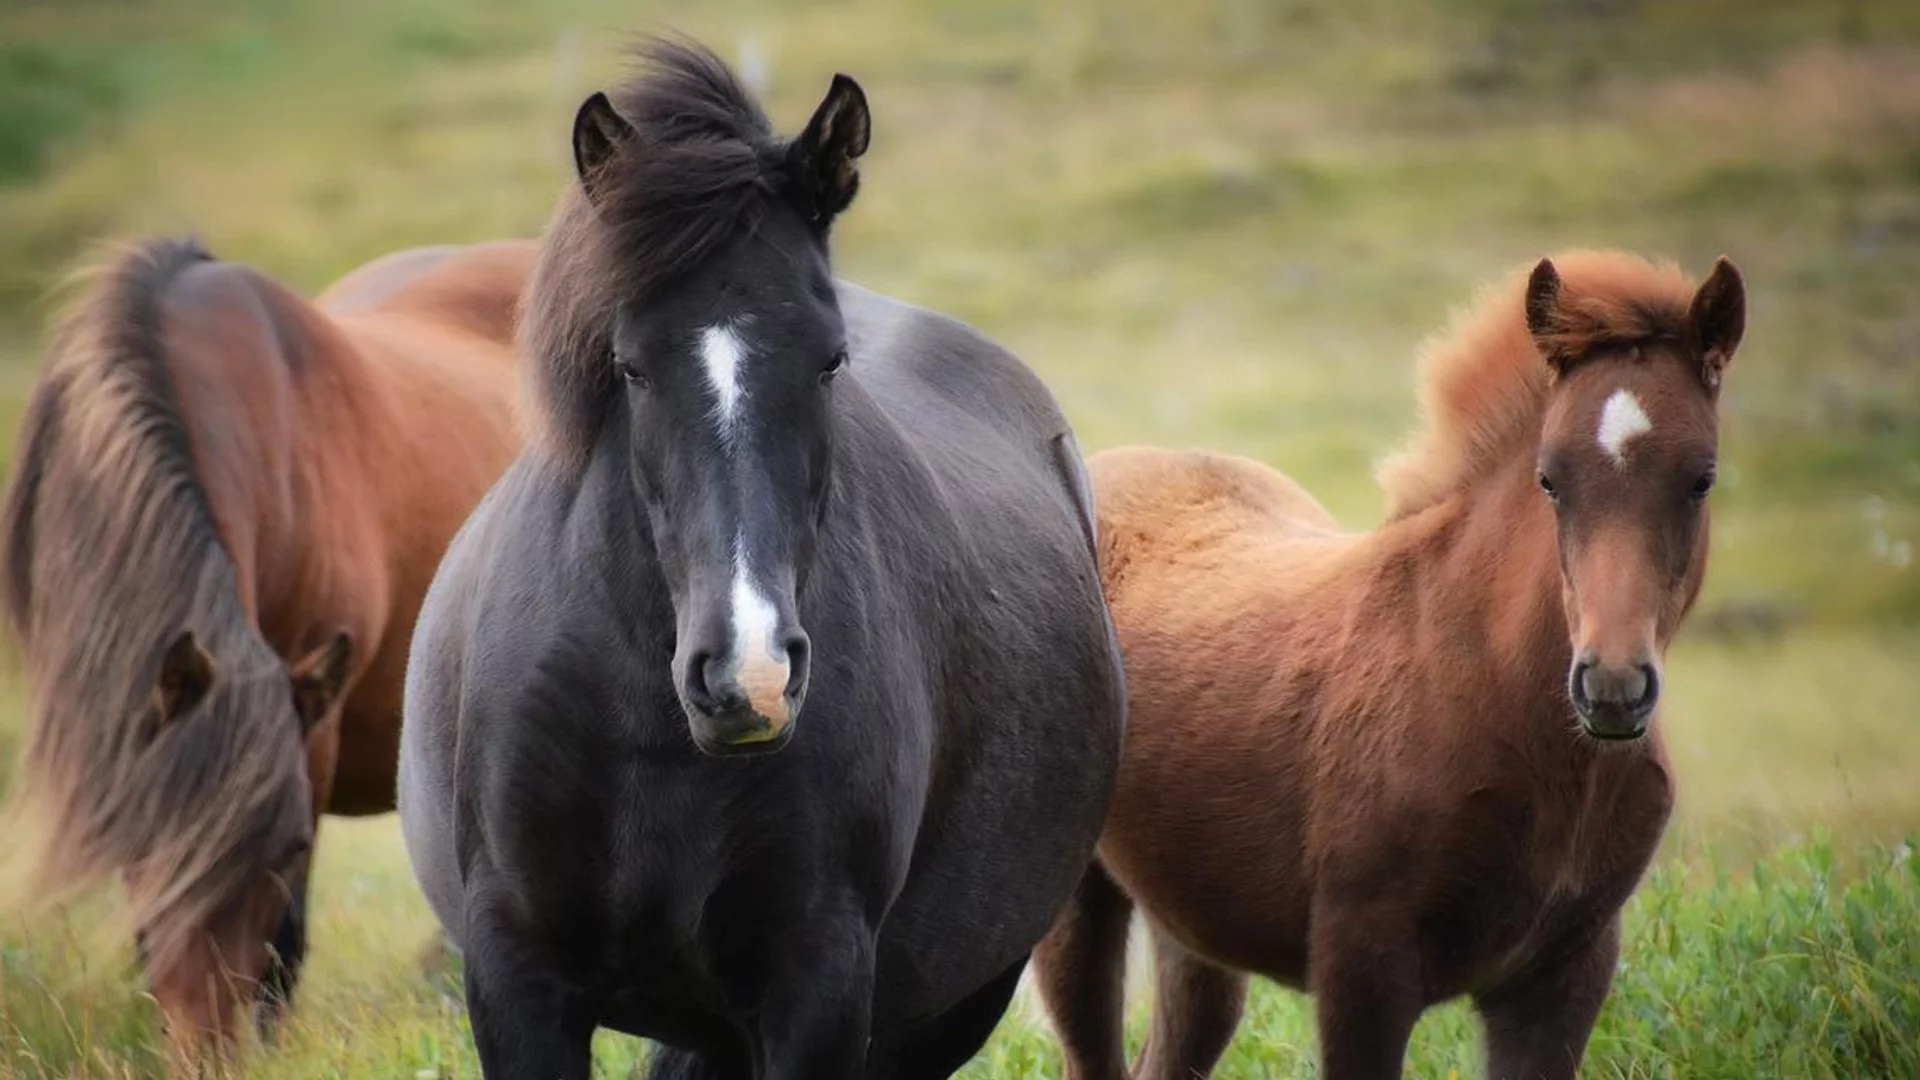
(1352,764)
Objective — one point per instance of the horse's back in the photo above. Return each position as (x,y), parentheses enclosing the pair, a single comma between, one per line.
(1156,507)
(981,421)
(473,286)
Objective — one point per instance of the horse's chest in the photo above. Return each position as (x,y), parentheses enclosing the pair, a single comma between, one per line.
(1568,874)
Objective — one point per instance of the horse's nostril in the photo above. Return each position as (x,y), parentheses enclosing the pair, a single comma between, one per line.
(1643,702)
(798,648)
(1585,685)
(697,679)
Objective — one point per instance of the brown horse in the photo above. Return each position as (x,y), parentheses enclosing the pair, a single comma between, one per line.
(226,505)
(1403,766)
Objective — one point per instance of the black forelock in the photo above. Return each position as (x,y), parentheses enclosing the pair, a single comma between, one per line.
(701,167)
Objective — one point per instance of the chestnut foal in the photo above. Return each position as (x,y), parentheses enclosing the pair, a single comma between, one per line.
(1397,767)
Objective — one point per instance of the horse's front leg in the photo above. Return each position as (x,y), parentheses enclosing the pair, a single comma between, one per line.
(1366,990)
(527,1021)
(1537,1027)
(817,1014)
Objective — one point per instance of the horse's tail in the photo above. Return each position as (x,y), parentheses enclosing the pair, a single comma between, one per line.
(114,320)
(668,1063)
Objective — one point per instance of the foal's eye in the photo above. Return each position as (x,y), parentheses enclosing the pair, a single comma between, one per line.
(1701,487)
(1546,485)
(834,366)
(630,371)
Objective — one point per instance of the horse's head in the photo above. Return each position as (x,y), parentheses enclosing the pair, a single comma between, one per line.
(725,366)
(1626,457)
(221,899)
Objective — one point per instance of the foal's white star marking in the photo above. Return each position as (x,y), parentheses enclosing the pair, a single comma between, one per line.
(1621,421)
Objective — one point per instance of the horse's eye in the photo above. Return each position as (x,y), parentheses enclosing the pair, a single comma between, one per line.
(834,366)
(1701,487)
(1546,485)
(631,372)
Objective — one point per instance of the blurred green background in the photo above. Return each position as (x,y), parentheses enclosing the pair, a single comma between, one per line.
(1227,224)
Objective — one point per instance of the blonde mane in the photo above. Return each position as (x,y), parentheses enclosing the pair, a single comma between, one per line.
(1483,382)
(108,549)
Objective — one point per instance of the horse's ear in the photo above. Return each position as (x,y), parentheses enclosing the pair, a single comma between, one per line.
(1543,309)
(186,674)
(821,159)
(318,679)
(598,131)
(1719,318)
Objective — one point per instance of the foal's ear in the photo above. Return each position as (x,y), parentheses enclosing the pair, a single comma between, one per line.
(186,674)
(318,679)
(1719,317)
(1543,309)
(821,159)
(598,131)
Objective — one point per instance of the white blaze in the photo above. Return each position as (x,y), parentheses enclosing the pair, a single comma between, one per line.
(753,660)
(1621,421)
(759,667)
(722,351)
(753,615)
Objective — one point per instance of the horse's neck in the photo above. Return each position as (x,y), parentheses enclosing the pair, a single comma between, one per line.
(1489,559)
(282,492)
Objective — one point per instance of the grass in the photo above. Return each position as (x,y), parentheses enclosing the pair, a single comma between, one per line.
(1225,224)
(1799,967)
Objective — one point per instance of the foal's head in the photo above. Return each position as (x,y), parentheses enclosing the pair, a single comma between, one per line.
(1627,457)
(716,351)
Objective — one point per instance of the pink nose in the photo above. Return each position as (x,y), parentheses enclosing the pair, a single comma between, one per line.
(749,705)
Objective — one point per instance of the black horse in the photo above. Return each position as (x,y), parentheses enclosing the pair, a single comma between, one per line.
(768,707)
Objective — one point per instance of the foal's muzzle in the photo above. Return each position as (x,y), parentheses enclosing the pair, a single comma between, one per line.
(1614,703)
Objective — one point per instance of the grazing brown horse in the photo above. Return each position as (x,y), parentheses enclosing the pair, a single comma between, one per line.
(226,505)
(1398,767)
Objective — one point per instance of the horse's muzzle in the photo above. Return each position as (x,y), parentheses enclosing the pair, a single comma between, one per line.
(1614,703)
(749,710)
(738,732)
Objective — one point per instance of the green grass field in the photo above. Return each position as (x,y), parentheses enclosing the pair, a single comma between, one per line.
(1224,224)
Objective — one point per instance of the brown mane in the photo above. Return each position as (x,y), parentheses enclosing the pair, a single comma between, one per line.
(104,462)
(701,166)
(1484,381)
